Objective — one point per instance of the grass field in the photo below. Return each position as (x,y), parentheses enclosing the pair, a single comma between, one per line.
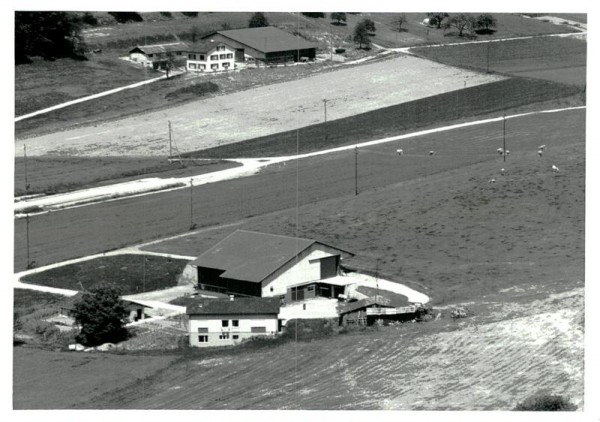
(131,273)
(518,343)
(263,110)
(26,302)
(37,373)
(394,120)
(555,59)
(62,174)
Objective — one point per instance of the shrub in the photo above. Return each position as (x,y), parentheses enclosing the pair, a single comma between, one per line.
(89,19)
(314,14)
(190,14)
(546,402)
(166,14)
(126,17)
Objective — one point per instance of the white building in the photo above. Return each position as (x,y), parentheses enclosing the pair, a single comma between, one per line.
(226,322)
(266,265)
(156,55)
(210,56)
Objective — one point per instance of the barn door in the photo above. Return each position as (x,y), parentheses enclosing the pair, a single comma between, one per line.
(329,266)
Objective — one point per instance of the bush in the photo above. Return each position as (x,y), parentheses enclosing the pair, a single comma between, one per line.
(314,14)
(89,19)
(166,14)
(126,17)
(546,402)
(196,90)
(190,14)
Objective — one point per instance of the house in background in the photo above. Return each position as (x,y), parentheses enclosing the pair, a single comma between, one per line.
(156,55)
(249,263)
(226,322)
(266,44)
(211,56)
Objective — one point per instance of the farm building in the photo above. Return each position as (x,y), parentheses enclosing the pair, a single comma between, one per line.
(211,56)
(226,322)
(155,56)
(267,44)
(266,265)
(136,310)
(367,311)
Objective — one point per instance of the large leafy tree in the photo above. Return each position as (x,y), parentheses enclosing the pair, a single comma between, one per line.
(101,315)
(338,17)
(361,35)
(257,20)
(50,35)
(486,21)
(436,18)
(462,22)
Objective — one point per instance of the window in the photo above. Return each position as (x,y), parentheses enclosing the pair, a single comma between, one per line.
(192,56)
(179,53)
(230,56)
(235,337)
(203,339)
(225,65)
(192,65)
(222,56)
(202,330)
(258,329)
(224,336)
(202,66)
(214,66)
(201,57)
(221,48)
(311,288)
(214,57)
(224,323)
(235,323)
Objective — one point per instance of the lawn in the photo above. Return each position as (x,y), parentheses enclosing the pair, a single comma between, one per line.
(554,59)
(398,119)
(27,301)
(51,175)
(131,273)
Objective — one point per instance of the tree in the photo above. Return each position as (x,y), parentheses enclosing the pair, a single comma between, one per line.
(485,22)
(339,17)
(461,22)
(101,315)
(50,35)
(171,62)
(190,14)
(361,35)
(126,17)
(436,18)
(314,14)
(166,14)
(258,20)
(370,25)
(399,21)
(546,402)
(89,19)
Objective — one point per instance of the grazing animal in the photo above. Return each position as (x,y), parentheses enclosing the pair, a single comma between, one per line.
(502,171)
(540,152)
(500,151)
(492,181)
(400,151)
(542,147)
(555,169)
(431,152)
(507,152)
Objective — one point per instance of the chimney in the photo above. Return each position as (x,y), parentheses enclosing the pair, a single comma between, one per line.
(231,297)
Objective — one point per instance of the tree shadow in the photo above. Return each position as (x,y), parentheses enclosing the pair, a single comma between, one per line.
(485,31)
(339,23)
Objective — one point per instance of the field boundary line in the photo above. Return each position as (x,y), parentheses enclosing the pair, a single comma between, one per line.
(90,97)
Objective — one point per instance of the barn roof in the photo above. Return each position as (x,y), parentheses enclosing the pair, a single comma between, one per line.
(237,306)
(203,46)
(253,256)
(267,39)
(161,48)
(365,303)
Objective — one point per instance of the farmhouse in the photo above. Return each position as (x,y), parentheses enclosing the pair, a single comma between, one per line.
(155,56)
(209,55)
(265,265)
(226,322)
(267,44)
(367,311)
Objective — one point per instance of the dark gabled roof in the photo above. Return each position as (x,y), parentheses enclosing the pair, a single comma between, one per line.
(161,48)
(365,303)
(266,39)
(237,306)
(203,46)
(252,256)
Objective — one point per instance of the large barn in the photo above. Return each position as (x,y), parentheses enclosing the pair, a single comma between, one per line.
(266,44)
(249,263)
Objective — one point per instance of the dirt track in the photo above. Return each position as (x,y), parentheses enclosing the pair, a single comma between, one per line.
(262,111)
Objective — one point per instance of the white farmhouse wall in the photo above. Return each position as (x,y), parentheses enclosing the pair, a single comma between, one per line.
(215,329)
(297,272)
(140,58)
(206,64)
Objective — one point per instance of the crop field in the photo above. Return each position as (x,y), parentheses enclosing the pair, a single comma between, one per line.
(488,362)
(37,373)
(263,110)
(552,58)
(438,110)
(61,174)
(131,273)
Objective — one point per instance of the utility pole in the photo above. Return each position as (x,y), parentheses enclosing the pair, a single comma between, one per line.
(170,142)
(325,104)
(504,136)
(25,158)
(355,171)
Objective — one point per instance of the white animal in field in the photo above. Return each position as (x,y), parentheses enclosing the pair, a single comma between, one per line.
(502,171)
(555,169)
(540,152)
(492,181)
(431,152)
(507,152)
(500,151)
(400,151)
(542,147)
